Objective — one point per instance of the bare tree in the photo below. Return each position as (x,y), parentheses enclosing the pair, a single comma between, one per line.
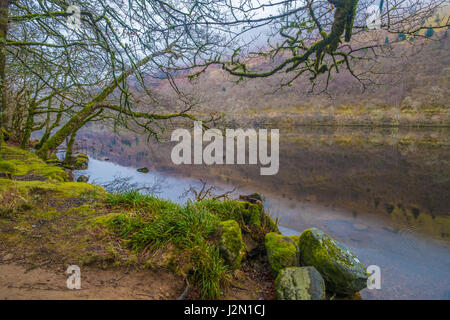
(94,71)
(318,37)
(125,39)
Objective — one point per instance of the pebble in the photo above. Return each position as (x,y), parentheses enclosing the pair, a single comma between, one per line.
(360,226)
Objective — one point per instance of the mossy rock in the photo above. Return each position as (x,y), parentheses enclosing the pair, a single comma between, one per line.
(251,217)
(254,216)
(342,271)
(143,170)
(282,252)
(81,162)
(82,178)
(296,283)
(253,198)
(252,213)
(231,246)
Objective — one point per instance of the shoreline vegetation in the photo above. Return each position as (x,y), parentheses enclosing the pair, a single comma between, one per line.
(217,247)
(343,116)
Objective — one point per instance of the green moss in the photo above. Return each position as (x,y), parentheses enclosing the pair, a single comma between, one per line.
(57,190)
(81,211)
(48,215)
(281,252)
(84,210)
(6,166)
(325,248)
(21,162)
(295,238)
(81,162)
(104,220)
(231,246)
(253,213)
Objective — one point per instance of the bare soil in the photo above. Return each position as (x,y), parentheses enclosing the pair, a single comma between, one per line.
(20,283)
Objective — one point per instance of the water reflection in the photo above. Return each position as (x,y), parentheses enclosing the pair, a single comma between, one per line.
(412,267)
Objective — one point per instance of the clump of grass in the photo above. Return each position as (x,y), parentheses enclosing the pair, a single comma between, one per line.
(156,223)
(225,210)
(136,200)
(210,274)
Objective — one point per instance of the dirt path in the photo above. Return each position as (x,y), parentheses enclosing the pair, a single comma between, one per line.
(16,282)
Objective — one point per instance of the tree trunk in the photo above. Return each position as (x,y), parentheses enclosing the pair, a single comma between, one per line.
(49,128)
(71,126)
(28,126)
(69,149)
(46,133)
(3,33)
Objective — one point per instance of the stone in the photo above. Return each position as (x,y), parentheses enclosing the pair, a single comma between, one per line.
(299,283)
(360,227)
(342,271)
(81,162)
(281,251)
(231,246)
(143,170)
(252,198)
(255,216)
(82,178)
(251,246)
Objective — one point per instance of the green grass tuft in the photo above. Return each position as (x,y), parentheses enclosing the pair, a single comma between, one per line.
(157,223)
